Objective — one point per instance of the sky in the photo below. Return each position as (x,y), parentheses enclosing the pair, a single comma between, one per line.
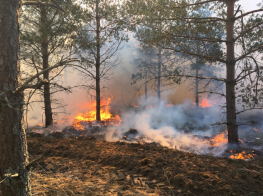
(249,5)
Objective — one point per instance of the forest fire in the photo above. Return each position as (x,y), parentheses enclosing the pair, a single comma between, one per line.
(219,139)
(241,155)
(206,103)
(83,124)
(90,115)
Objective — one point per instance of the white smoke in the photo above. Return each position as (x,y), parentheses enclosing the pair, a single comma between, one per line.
(182,127)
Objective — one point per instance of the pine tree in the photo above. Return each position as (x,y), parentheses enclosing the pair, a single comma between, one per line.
(46,37)
(99,41)
(183,27)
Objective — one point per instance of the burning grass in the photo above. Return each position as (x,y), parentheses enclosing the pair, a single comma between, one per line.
(95,167)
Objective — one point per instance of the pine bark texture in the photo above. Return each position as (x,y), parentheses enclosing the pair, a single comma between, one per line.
(45,56)
(13,147)
(230,80)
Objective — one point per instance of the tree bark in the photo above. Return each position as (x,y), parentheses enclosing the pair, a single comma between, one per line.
(159,76)
(98,117)
(13,147)
(196,89)
(230,80)
(45,56)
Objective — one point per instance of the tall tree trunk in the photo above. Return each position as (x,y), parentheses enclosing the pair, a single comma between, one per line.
(159,76)
(98,118)
(45,56)
(230,79)
(196,89)
(145,73)
(13,147)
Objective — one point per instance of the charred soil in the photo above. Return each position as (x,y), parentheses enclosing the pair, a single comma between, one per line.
(86,166)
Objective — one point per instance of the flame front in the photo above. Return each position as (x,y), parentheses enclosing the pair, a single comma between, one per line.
(219,139)
(90,115)
(205,104)
(222,139)
(241,155)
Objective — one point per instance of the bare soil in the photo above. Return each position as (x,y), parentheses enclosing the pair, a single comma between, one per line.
(90,167)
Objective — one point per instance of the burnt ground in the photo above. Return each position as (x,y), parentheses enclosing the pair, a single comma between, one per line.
(86,166)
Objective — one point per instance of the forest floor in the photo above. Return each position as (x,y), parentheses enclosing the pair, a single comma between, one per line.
(90,167)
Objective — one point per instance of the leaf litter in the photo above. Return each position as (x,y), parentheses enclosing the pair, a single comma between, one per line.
(86,166)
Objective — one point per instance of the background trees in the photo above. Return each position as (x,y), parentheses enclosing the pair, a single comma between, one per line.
(181,28)
(46,38)
(151,69)
(245,66)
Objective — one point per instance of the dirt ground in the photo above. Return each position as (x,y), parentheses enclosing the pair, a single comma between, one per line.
(85,166)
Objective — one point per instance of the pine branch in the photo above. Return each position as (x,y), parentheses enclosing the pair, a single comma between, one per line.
(200,3)
(90,74)
(26,84)
(197,38)
(211,92)
(246,31)
(38,3)
(247,13)
(254,108)
(205,19)
(211,58)
(199,77)
(248,53)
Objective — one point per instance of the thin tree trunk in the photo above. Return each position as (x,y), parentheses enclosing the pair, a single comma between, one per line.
(230,81)
(159,76)
(145,73)
(98,118)
(13,147)
(196,89)
(45,56)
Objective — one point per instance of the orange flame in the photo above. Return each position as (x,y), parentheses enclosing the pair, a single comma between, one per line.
(168,105)
(241,155)
(90,115)
(257,130)
(205,104)
(219,139)
(151,106)
(133,104)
